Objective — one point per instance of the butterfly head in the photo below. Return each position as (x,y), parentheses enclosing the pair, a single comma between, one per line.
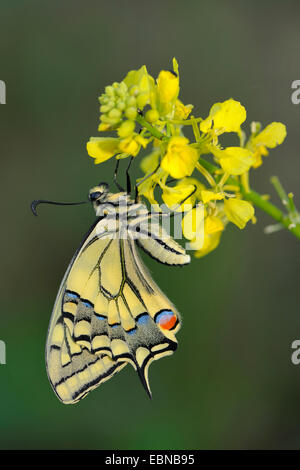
(103,200)
(98,194)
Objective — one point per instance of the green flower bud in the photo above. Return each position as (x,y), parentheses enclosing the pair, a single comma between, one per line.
(104,108)
(126,129)
(109,90)
(111,104)
(107,120)
(114,114)
(152,115)
(131,113)
(142,100)
(131,101)
(134,90)
(121,105)
(123,87)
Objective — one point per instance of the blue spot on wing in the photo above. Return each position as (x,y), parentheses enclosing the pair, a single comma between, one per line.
(87,304)
(164,316)
(131,332)
(142,319)
(100,317)
(72,295)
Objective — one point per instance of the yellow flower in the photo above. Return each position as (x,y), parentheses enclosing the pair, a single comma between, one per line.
(213,228)
(104,127)
(102,148)
(192,224)
(261,151)
(150,162)
(238,212)
(132,144)
(146,189)
(182,111)
(224,117)
(166,92)
(180,158)
(211,242)
(192,181)
(234,160)
(126,129)
(211,196)
(173,196)
(273,135)
(167,86)
(213,224)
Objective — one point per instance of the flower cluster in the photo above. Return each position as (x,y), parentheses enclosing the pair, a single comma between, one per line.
(147,113)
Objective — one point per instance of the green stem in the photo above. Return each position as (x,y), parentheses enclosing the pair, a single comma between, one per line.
(154,131)
(273,211)
(186,122)
(208,166)
(280,191)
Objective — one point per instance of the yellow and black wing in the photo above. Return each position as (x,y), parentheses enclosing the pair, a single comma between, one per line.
(108,313)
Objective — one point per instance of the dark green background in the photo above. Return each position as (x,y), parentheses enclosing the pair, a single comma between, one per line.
(231,383)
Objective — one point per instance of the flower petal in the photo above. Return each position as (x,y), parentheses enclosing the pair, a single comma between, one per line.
(211,241)
(180,159)
(174,196)
(224,117)
(102,148)
(211,196)
(273,135)
(235,160)
(192,223)
(238,212)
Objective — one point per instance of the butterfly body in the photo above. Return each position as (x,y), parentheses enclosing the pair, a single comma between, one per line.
(108,311)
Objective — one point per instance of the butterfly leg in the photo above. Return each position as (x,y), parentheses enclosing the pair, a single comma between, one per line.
(173,213)
(144,179)
(128,182)
(115,177)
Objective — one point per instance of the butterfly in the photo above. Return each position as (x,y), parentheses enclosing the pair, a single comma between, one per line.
(109,312)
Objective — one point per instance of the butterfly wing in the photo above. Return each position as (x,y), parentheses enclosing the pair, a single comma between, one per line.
(109,312)
(148,319)
(158,244)
(73,369)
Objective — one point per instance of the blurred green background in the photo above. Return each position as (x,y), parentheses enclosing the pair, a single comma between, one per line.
(231,383)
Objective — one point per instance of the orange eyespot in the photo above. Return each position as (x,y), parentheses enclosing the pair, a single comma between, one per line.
(166,319)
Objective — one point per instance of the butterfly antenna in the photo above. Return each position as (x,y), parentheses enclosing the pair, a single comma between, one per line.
(37,202)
